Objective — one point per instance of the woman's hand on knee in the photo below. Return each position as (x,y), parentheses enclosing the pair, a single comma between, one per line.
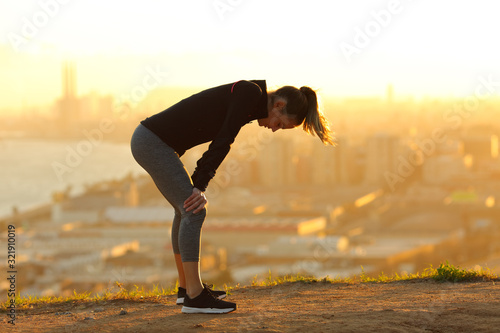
(196,201)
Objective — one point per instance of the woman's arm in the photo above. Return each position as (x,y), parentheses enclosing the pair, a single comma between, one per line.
(244,98)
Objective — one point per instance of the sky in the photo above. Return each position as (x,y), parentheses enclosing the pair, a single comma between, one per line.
(341,48)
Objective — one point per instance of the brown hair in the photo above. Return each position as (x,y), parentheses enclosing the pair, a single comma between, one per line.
(302,107)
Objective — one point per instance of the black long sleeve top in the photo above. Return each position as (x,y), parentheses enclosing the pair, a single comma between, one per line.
(215,115)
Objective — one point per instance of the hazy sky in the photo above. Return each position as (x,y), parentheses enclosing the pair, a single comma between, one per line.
(422,47)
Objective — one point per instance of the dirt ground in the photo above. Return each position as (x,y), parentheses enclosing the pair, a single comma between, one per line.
(410,306)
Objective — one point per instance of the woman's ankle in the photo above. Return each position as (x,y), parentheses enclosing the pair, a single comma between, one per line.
(194,292)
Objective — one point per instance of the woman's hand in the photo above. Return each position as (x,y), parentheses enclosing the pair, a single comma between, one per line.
(196,201)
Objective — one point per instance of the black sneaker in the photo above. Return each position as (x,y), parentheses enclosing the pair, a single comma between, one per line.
(181,293)
(206,302)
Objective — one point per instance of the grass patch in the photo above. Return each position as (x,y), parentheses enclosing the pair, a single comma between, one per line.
(449,273)
(444,273)
(117,293)
(271,281)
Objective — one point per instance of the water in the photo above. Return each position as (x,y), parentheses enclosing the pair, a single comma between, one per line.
(31,170)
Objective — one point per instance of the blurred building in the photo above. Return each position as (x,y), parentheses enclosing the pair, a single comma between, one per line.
(482,149)
(244,234)
(276,165)
(481,145)
(441,170)
(331,165)
(98,199)
(96,107)
(382,151)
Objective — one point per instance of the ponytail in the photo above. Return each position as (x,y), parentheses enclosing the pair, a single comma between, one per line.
(315,122)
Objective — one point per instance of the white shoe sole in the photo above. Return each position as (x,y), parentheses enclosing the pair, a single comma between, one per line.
(187,309)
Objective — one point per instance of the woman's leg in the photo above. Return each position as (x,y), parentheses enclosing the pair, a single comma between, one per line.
(194,285)
(173,181)
(175,246)
(180,270)
(192,278)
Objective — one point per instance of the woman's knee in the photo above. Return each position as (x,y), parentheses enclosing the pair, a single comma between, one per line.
(192,217)
(200,215)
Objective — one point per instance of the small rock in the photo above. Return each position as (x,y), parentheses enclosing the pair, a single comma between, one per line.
(62,313)
(88,318)
(98,309)
(123,312)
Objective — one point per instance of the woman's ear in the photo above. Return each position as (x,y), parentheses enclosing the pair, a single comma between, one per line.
(280,104)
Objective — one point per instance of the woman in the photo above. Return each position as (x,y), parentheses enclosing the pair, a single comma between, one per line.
(215,115)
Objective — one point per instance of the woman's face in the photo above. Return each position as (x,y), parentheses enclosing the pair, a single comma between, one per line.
(276,119)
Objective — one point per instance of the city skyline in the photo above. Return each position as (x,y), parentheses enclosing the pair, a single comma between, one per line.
(342,49)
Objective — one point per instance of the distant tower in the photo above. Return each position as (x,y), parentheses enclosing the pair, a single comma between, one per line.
(494,146)
(68,104)
(390,94)
(132,194)
(69,80)
(391,109)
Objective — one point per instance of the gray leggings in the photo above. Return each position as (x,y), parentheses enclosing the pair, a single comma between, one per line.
(172,179)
